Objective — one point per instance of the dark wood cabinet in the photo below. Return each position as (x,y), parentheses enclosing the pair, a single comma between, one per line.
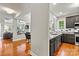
(64,38)
(77,18)
(71,38)
(57,42)
(54,44)
(68,38)
(70,22)
(52,49)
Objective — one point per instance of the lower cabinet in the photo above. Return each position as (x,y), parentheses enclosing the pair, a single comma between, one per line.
(52,49)
(68,38)
(57,42)
(54,44)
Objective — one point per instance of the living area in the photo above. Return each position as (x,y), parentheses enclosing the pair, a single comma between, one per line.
(15,21)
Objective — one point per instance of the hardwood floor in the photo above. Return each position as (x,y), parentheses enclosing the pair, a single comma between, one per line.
(67,50)
(16,48)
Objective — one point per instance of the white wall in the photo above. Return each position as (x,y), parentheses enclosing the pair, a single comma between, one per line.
(27,19)
(39,33)
(52,22)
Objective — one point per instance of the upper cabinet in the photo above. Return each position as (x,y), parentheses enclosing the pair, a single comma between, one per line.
(70,21)
(77,18)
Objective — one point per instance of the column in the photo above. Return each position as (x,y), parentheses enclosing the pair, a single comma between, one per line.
(39,33)
(14,29)
(2,26)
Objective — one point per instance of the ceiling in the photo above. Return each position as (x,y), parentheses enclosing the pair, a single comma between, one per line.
(14,9)
(18,7)
(21,9)
(61,9)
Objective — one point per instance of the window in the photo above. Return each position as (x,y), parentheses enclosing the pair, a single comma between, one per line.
(8,25)
(61,24)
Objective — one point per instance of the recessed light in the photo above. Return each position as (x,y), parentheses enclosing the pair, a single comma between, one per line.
(54,3)
(60,13)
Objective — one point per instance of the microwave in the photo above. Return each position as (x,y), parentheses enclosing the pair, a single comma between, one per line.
(77,25)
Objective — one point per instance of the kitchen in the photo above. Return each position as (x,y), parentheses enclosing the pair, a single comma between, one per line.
(64,29)
(63,33)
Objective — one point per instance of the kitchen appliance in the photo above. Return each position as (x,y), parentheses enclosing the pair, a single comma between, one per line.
(77,25)
(76,39)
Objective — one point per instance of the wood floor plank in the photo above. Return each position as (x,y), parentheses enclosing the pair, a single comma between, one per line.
(16,48)
(67,50)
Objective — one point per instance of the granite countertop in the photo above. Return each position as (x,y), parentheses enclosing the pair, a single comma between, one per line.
(67,32)
(55,34)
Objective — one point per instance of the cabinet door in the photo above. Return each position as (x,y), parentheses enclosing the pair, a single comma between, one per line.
(57,42)
(52,48)
(65,38)
(71,38)
(62,38)
(77,18)
(70,21)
